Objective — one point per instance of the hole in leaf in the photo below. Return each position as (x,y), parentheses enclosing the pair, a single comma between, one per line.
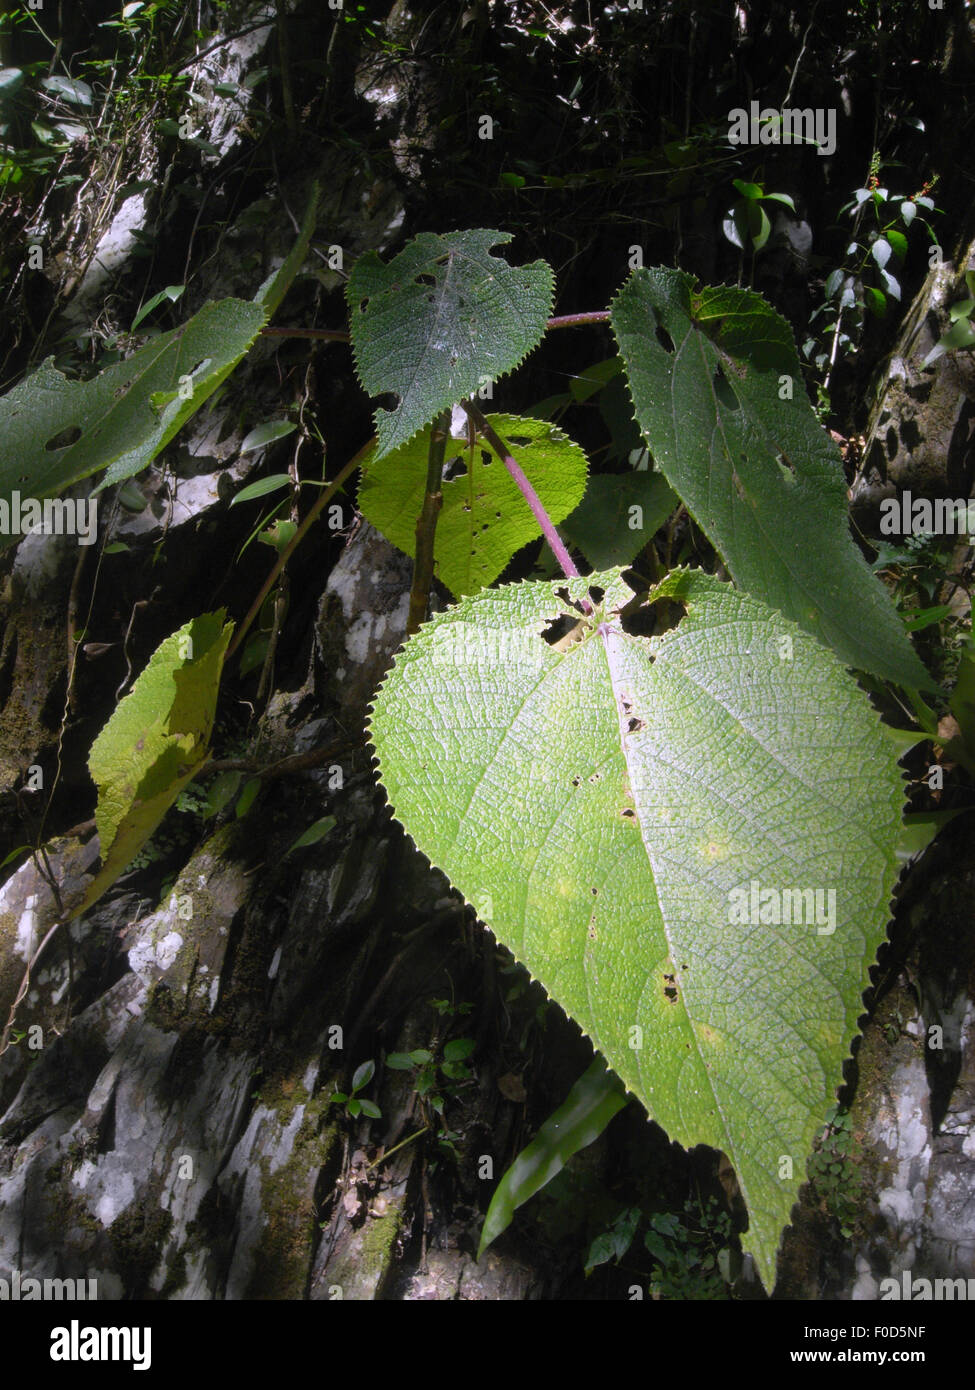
(557,628)
(670,988)
(575,782)
(520,440)
(787,467)
(455,468)
(628,813)
(635,725)
(596,594)
(65,437)
(664,338)
(485,457)
(362,305)
(594,891)
(723,391)
(424,279)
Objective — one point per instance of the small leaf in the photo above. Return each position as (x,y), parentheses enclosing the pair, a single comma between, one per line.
(748,190)
(898,243)
(68,89)
(171,292)
(908,212)
(272,483)
(266,433)
(833,283)
(892,286)
(315,832)
(880,250)
(780,198)
(400,1061)
(370,1108)
(960,335)
(355,1108)
(459,1049)
(222,790)
(961,310)
(247,796)
(587,1110)
(363,1075)
(875,300)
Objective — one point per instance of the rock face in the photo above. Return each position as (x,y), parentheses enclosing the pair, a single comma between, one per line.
(167,1125)
(921,431)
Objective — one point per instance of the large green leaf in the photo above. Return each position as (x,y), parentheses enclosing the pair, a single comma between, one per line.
(604,805)
(711,374)
(154,743)
(484,518)
(122,418)
(442,319)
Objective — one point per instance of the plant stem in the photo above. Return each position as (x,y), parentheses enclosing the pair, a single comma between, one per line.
(338,335)
(426,525)
(527,491)
(323,499)
(577,320)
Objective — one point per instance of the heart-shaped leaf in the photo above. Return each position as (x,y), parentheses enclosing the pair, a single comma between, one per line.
(484,518)
(688,839)
(439,322)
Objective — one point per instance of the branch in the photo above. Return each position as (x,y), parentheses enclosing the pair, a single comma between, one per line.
(426,525)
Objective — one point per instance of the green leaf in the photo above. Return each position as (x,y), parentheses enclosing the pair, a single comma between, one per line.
(607,808)
(898,243)
(484,518)
(222,791)
(371,1109)
(959,335)
(876,301)
(315,832)
(587,1110)
(437,323)
(68,89)
(275,287)
(757,472)
(459,1049)
(247,797)
(154,743)
(961,310)
(266,434)
(400,1061)
(363,1075)
(880,250)
(748,190)
(123,417)
(171,292)
(272,483)
(604,526)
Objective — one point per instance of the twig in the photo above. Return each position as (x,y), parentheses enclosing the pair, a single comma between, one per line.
(319,506)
